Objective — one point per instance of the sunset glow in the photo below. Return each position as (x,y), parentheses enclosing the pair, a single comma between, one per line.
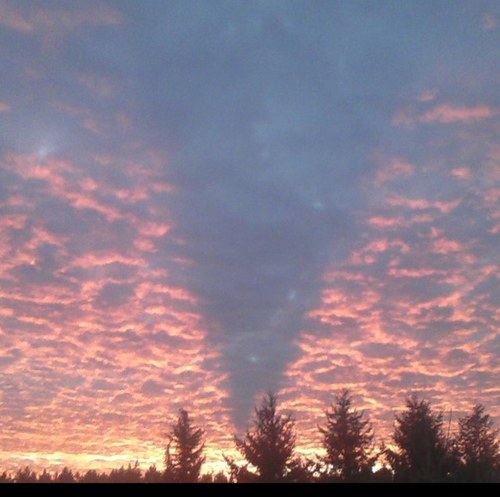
(201,202)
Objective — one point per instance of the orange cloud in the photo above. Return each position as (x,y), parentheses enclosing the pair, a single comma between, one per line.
(91,329)
(408,311)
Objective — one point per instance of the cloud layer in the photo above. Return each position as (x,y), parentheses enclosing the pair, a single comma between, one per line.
(201,202)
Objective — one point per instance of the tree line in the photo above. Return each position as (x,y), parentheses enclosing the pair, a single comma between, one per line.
(421,450)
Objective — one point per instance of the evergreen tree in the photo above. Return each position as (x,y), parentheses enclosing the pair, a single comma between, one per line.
(44,477)
(220,477)
(152,475)
(421,454)
(130,474)
(478,447)
(348,441)
(5,478)
(65,476)
(25,476)
(184,453)
(92,476)
(270,447)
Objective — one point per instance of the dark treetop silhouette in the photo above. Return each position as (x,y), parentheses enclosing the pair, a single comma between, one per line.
(348,442)
(477,447)
(184,453)
(422,452)
(270,447)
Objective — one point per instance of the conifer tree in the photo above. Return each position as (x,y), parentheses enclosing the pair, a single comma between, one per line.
(270,446)
(478,447)
(421,454)
(184,453)
(348,441)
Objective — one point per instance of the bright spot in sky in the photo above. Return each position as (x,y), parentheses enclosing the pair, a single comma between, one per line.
(44,151)
(318,205)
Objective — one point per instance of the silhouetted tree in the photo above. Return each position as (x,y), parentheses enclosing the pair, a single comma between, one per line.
(5,477)
(206,478)
(44,477)
(152,475)
(382,475)
(348,441)
(220,477)
(25,476)
(477,447)
(130,474)
(183,464)
(240,474)
(270,447)
(301,470)
(92,476)
(421,454)
(65,476)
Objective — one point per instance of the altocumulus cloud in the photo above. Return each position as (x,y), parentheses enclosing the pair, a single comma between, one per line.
(201,201)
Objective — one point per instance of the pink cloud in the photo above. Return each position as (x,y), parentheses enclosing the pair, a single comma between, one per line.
(45,20)
(376,333)
(386,222)
(446,114)
(449,114)
(394,169)
(102,322)
(396,222)
(13,19)
(4,107)
(401,313)
(154,229)
(422,204)
(489,22)
(462,173)
(412,273)
(428,96)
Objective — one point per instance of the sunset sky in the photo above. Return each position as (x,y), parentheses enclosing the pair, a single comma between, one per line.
(201,201)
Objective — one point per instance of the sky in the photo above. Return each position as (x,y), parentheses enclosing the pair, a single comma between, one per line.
(201,201)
